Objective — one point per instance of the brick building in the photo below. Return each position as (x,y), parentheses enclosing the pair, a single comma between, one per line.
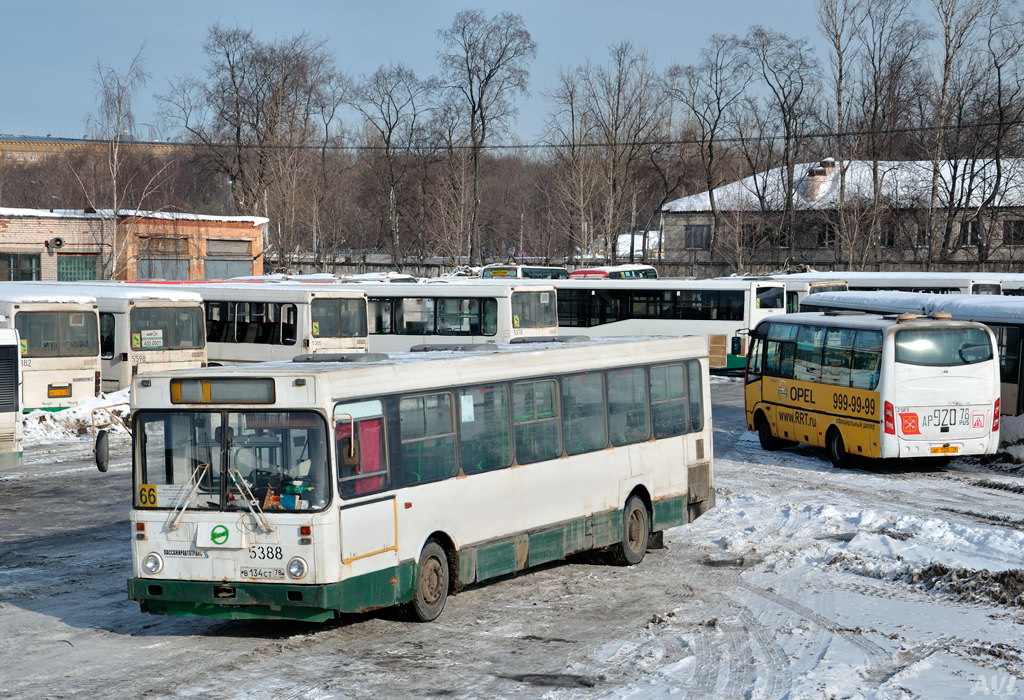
(68,245)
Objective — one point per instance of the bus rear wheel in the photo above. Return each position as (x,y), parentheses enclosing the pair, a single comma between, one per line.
(836,449)
(636,532)
(431,583)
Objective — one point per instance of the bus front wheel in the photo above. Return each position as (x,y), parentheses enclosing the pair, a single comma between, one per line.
(431,583)
(764,434)
(636,532)
(836,448)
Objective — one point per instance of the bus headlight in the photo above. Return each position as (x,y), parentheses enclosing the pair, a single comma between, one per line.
(153,564)
(297,567)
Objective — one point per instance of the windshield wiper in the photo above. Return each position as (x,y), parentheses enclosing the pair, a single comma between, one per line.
(250,499)
(179,508)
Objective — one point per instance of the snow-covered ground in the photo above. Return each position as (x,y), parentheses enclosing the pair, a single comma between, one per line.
(803,582)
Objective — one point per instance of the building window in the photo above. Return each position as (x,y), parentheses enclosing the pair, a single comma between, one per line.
(888,237)
(19,268)
(697,237)
(827,236)
(1013,232)
(970,232)
(162,269)
(75,268)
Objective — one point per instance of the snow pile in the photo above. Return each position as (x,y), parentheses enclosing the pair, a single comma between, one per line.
(74,423)
(972,563)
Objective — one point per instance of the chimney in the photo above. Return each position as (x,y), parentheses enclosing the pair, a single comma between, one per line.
(817,177)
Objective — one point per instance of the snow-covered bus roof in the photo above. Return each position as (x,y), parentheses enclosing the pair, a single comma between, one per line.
(42,293)
(967,307)
(126,292)
(404,370)
(660,284)
(270,291)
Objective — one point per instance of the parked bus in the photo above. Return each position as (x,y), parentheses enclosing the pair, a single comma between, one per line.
(404,315)
(874,387)
(719,310)
(615,272)
(258,322)
(1003,314)
(59,340)
(144,329)
(305,489)
(10,398)
(927,282)
(531,272)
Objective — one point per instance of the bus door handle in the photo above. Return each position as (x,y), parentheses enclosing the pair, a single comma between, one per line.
(124,357)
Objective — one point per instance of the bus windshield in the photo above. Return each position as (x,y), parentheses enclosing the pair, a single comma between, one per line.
(277,457)
(58,333)
(943,347)
(339,318)
(534,310)
(166,328)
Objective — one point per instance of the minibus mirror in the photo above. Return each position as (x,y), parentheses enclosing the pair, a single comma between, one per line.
(101,450)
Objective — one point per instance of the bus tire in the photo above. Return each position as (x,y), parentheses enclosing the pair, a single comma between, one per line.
(836,449)
(432,583)
(764,434)
(636,532)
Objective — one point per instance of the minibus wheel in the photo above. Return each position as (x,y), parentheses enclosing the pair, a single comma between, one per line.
(764,434)
(431,583)
(836,449)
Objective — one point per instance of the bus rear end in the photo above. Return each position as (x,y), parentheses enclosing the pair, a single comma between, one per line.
(60,353)
(162,335)
(942,396)
(10,399)
(534,313)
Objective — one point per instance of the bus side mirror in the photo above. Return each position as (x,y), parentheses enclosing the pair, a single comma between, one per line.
(737,345)
(101,450)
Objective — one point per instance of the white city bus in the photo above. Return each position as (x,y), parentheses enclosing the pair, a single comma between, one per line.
(720,310)
(10,398)
(305,489)
(145,329)
(60,345)
(404,315)
(263,321)
(873,386)
(615,272)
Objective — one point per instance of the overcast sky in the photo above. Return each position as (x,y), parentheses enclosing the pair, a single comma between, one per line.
(51,47)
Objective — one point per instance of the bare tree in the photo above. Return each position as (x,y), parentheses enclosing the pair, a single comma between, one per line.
(789,72)
(485,62)
(256,116)
(709,90)
(123,183)
(395,106)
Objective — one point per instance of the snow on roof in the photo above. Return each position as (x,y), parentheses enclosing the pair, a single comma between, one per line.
(963,307)
(14,212)
(903,183)
(118,290)
(32,292)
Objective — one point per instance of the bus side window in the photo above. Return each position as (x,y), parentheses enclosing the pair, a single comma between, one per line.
(428,438)
(809,342)
(837,357)
(867,360)
(779,358)
(583,413)
(484,442)
(489,316)
(668,401)
(362,460)
(695,392)
(107,336)
(535,414)
(628,405)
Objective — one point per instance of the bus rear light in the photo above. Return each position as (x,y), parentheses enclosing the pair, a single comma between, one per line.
(305,530)
(140,526)
(96,386)
(890,418)
(995,416)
